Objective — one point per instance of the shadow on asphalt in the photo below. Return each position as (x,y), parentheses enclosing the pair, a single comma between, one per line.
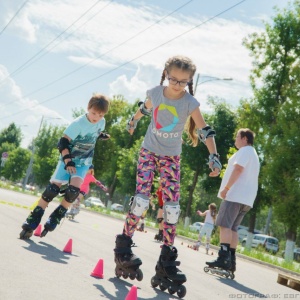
(123,287)
(48,252)
(242,288)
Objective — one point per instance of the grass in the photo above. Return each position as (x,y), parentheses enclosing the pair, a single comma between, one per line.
(267,258)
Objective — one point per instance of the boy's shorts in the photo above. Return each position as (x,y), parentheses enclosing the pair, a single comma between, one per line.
(231,214)
(60,175)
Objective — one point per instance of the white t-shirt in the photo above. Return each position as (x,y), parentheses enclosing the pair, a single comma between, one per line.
(208,218)
(244,190)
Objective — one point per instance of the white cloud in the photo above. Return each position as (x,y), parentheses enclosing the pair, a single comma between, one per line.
(12,101)
(215,47)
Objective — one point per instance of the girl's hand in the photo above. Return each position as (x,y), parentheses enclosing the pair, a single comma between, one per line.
(199,212)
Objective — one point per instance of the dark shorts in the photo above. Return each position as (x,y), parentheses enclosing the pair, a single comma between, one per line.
(231,214)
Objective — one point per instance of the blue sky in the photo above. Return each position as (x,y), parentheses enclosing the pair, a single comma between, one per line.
(55,54)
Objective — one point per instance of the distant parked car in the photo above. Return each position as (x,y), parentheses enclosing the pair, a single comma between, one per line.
(117,207)
(93,202)
(29,187)
(243,232)
(261,240)
(296,254)
(196,226)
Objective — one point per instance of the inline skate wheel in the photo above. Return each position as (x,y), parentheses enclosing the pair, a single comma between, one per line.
(181,292)
(206,269)
(44,232)
(25,234)
(139,275)
(171,291)
(162,287)
(232,276)
(153,282)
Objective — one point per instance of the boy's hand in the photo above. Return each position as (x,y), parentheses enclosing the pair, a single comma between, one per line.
(71,170)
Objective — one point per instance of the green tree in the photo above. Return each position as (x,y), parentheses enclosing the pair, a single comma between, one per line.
(275,80)
(16,164)
(12,135)
(46,153)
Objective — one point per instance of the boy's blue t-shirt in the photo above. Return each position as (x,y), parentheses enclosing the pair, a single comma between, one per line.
(83,135)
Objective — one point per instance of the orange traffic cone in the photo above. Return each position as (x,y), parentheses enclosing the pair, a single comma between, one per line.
(38,230)
(132,295)
(68,247)
(98,270)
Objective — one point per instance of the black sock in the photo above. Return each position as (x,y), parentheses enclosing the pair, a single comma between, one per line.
(225,247)
(232,251)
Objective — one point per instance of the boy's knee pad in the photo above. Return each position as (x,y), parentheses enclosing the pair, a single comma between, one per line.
(71,193)
(171,212)
(140,204)
(51,191)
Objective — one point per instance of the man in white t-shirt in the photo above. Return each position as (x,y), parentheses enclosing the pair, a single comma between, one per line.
(238,191)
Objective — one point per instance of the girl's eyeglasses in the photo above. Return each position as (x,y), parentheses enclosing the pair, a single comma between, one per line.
(174,82)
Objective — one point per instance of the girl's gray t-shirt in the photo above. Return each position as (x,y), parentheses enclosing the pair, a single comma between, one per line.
(164,134)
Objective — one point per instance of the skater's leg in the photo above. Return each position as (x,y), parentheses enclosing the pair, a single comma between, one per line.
(207,248)
(223,260)
(34,218)
(233,245)
(144,178)
(127,264)
(139,204)
(198,243)
(159,235)
(71,194)
(170,182)
(208,233)
(233,259)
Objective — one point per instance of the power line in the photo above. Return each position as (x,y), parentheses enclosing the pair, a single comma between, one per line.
(40,51)
(63,39)
(129,61)
(17,12)
(91,61)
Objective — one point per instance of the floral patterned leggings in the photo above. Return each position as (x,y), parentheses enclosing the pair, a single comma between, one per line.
(169,170)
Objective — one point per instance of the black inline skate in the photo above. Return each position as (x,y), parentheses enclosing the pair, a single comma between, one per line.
(167,275)
(127,264)
(31,223)
(141,228)
(159,236)
(221,266)
(233,263)
(54,219)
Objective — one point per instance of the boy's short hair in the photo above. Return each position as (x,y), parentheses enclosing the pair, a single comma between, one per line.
(99,102)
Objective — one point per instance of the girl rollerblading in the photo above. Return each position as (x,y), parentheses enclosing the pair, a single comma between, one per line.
(170,108)
(210,219)
(84,189)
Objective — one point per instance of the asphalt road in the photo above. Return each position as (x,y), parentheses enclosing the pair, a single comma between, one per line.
(39,269)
